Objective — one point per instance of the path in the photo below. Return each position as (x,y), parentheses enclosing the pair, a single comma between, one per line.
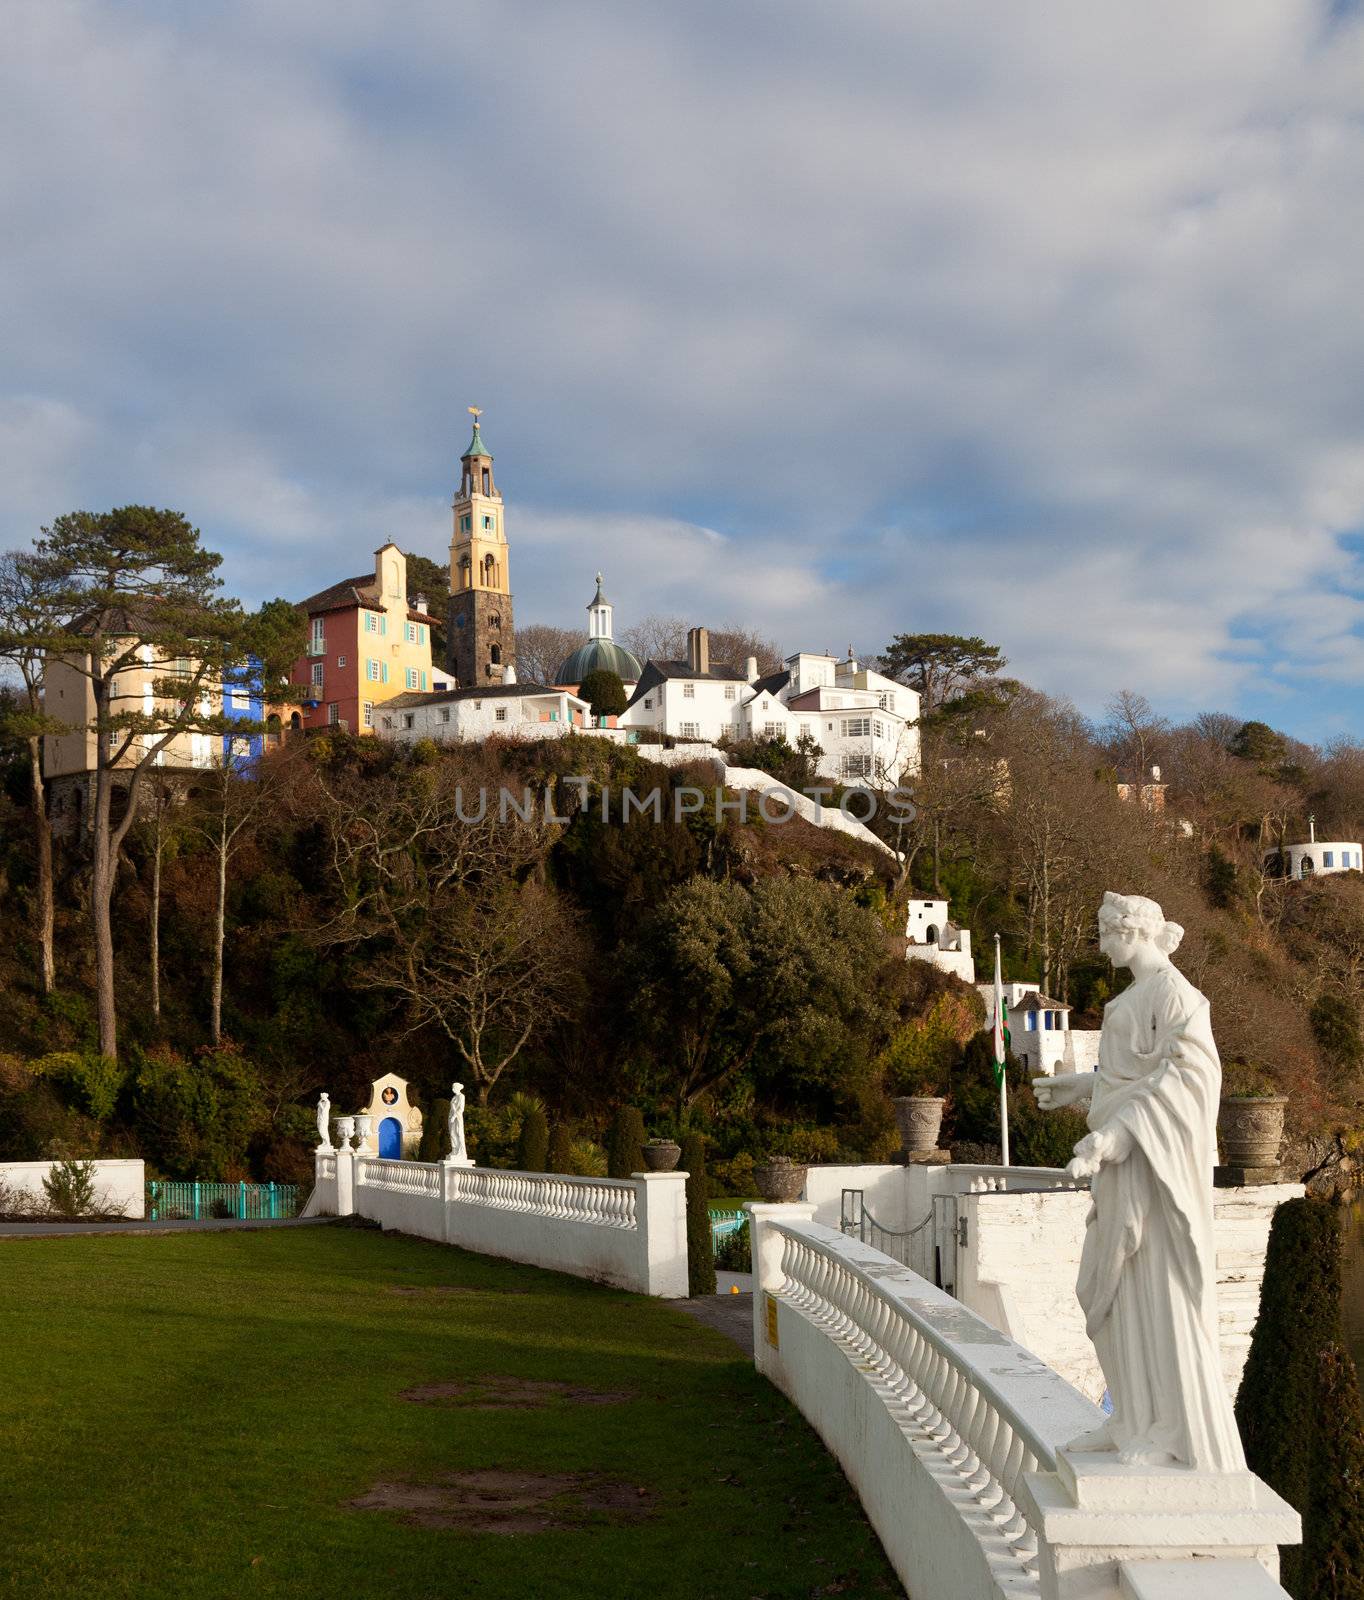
(730,1314)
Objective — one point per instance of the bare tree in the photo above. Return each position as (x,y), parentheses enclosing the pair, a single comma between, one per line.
(26,619)
(541,648)
(660,638)
(1134,732)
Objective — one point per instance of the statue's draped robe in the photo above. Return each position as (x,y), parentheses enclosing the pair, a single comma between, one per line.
(1147,1279)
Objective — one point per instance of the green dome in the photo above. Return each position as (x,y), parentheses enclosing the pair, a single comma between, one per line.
(599,655)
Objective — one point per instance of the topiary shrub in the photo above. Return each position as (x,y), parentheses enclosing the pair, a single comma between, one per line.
(1298,1408)
(700,1247)
(435,1145)
(532,1148)
(560,1157)
(625,1150)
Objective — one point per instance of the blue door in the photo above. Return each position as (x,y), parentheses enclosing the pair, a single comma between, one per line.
(390,1139)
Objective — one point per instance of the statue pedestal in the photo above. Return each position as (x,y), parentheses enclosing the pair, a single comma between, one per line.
(922,1158)
(1095,1515)
(457,1161)
(1245,1177)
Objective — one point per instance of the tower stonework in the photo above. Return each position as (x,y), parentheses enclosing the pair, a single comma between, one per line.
(481,639)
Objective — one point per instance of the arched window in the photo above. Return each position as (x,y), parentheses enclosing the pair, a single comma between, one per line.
(496,655)
(1306,867)
(295,721)
(932,935)
(487,481)
(272,727)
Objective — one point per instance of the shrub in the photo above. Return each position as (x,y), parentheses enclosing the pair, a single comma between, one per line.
(197,1119)
(1040,1138)
(604,692)
(588,1160)
(88,1080)
(222,1209)
(435,1145)
(700,1247)
(625,1152)
(1335,1025)
(1298,1408)
(70,1190)
(532,1147)
(560,1157)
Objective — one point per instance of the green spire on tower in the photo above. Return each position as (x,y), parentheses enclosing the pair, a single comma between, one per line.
(476,445)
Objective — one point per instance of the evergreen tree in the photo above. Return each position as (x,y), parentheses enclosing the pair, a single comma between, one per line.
(625,1152)
(560,1158)
(532,1148)
(1298,1412)
(604,692)
(700,1245)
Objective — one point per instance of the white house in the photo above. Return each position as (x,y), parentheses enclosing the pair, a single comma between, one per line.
(933,937)
(1315,857)
(511,710)
(1040,1034)
(866,725)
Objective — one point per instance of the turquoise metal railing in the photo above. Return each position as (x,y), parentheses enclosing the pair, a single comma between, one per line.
(724,1223)
(191,1199)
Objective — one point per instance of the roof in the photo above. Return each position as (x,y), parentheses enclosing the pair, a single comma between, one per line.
(361,591)
(1033,1001)
(598,599)
(772,683)
(599,655)
(476,445)
(494,691)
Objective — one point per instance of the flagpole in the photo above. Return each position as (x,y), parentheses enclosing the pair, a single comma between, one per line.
(1001,1059)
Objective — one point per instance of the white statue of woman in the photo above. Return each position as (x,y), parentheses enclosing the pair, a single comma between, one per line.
(324,1121)
(456,1123)
(1147,1280)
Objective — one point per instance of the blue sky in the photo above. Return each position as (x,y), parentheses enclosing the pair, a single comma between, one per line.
(1039,321)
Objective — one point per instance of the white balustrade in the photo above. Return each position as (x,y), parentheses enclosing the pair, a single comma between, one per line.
(326,1167)
(603,1202)
(408,1177)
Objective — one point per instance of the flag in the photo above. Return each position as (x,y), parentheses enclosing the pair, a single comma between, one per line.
(1001,1022)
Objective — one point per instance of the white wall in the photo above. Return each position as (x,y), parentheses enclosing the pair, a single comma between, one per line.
(117,1183)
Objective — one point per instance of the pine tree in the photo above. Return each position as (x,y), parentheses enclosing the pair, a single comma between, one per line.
(1298,1408)
(560,1157)
(625,1153)
(700,1245)
(532,1148)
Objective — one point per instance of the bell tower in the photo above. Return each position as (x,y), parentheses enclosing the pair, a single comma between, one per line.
(481,642)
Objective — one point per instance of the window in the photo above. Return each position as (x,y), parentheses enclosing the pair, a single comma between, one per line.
(409,633)
(773,730)
(856,727)
(319,643)
(372,670)
(445,713)
(408,719)
(858,765)
(886,701)
(466,524)
(411,678)
(317,674)
(495,655)
(388,722)
(487,480)
(689,691)
(648,703)
(489,523)
(691,730)
(333,713)
(880,728)
(1329,859)
(1032,1022)
(730,691)
(371,622)
(340,661)
(367,713)
(500,714)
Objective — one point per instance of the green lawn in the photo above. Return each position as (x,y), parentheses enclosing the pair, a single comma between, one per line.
(189,1415)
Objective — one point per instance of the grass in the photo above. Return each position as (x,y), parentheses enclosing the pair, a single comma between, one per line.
(188,1416)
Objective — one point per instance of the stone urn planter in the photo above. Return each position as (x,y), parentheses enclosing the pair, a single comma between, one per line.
(1250,1129)
(919,1118)
(780,1179)
(662,1155)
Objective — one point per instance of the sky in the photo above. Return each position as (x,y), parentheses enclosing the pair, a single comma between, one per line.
(1038,320)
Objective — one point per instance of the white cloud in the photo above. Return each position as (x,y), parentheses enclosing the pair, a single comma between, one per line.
(1039,322)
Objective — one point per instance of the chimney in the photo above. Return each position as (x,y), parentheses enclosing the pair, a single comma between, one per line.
(420,602)
(698,650)
(751,669)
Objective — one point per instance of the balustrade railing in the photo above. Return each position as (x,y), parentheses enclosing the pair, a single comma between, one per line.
(604,1202)
(411,1177)
(326,1167)
(990,1418)
(968,1179)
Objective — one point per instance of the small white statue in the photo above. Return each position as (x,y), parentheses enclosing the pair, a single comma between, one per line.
(1147,1280)
(457,1151)
(324,1122)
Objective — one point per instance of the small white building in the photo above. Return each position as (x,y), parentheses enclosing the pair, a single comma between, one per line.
(865,725)
(1040,1034)
(510,710)
(933,937)
(1315,857)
